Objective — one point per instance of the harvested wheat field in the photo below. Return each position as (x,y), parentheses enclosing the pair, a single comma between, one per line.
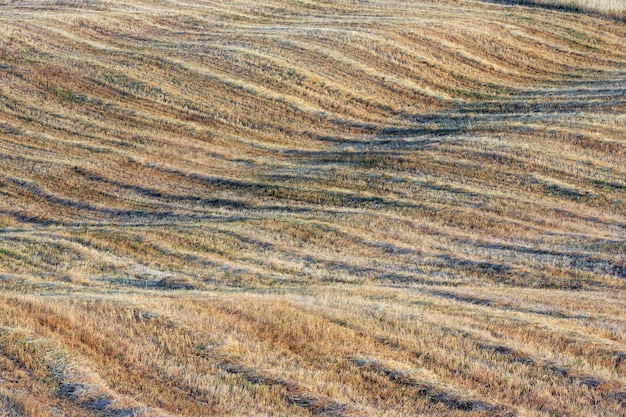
(294,208)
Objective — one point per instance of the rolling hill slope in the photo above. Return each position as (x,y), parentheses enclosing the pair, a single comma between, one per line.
(376,208)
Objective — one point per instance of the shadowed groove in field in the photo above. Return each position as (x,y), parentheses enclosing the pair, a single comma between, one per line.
(294,394)
(436,394)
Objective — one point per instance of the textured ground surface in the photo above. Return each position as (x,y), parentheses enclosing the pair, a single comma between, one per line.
(376,208)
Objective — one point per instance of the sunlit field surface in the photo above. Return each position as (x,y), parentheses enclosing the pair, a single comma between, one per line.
(612,8)
(294,208)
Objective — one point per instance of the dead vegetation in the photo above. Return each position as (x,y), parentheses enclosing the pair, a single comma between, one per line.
(293,208)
